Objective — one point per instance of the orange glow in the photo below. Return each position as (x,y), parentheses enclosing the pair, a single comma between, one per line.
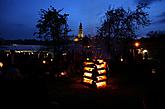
(88,63)
(86,80)
(76,39)
(101,71)
(99,78)
(101,84)
(88,74)
(137,44)
(100,60)
(102,65)
(88,68)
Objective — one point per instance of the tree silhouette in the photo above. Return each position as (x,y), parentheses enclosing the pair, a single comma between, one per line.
(154,34)
(52,26)
(120,25)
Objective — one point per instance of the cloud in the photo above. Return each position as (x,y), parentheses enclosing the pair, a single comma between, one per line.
(161,18)
(162,14)
(159,21)
(148,1)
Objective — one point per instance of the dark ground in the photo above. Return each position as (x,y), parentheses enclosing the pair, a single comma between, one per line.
(115,96)
(129,87)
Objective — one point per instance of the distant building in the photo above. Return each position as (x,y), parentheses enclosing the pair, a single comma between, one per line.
(80,33)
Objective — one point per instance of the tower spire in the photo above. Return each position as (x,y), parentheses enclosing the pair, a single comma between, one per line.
(80,34)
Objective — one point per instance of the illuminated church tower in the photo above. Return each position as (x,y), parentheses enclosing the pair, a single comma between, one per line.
(80,34)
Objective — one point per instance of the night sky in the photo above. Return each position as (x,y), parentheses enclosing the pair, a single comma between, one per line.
(18,17)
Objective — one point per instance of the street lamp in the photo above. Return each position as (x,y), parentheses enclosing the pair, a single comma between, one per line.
(145,51)
(137,44)
(76,39)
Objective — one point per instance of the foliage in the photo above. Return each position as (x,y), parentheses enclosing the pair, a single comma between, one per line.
(52,25)
(154,34)
(154,43)
(120,23)
(118,29)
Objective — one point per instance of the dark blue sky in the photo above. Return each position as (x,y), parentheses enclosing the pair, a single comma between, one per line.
(18,17)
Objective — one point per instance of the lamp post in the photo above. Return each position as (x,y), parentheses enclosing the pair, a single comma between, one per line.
(136,45)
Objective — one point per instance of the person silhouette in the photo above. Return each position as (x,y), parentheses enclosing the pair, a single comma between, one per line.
(145,56)
(94,76)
